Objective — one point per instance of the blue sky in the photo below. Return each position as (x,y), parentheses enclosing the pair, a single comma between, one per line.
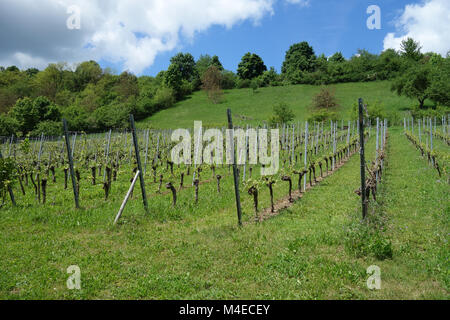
(142,36)
(329,26)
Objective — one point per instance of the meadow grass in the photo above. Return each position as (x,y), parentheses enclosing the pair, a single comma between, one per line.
(254,108)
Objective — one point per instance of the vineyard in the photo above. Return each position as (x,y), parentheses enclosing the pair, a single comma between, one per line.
(104,163)
(61,195)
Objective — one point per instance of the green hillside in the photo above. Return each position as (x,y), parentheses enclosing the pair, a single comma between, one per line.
(256,107)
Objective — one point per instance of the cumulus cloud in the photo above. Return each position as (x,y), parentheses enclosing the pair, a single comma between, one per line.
(427,22)
(127,32)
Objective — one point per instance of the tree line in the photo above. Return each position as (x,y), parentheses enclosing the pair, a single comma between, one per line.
(93,99)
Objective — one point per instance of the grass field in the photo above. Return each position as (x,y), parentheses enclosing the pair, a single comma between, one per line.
(316,249)
(254,108)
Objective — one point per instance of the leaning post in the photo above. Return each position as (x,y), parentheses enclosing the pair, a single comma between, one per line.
(138,160)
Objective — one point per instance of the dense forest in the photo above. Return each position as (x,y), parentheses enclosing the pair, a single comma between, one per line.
(93,99)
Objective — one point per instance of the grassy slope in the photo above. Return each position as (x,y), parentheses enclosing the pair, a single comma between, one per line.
(198,252)
(258,107)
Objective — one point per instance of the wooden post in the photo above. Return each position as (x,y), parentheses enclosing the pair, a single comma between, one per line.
(138,160)
(122,207)
(146,150)
(235,174)
(107,155)
(306,153)
(363,161)
(72,174)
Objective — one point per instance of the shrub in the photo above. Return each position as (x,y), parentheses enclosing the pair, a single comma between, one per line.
(282,114)
(243,83)
(255,84)
(323,115)
(8,125)
(77,118)
(228,80)
(374,110)
(48,128)
(164,98)
(212,82)
(7,173)
(325,99)
(112,116)
(439,112)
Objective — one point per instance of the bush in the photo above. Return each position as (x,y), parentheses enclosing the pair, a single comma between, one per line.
(212,83)
(8,125)
(243,83)
(145,106)
(282,114)
(77,118)
(374,110)
(164,98)
(30,112)
(7,173)
(186,88)
(325,99)
(228,80)
(255,84)
(439,112)
(323,115)
(270,78)
(48,128)
(111,116)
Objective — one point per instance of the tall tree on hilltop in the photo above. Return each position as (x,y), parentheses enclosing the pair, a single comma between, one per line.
(251,66)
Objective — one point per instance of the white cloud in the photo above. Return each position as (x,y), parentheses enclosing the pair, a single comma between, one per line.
(131,32)
(303,3)
(428,23)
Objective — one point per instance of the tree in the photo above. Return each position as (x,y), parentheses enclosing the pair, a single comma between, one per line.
(205,61)
(186,66)
(337,57)
(251,66)
(410,49)
(212,82)
(325,99)
(414,83)
(173,78)
(299,58)
(31,72)
(51,80)
(85,73)
(12,69)
(439,89)
(127,86)
(8,125)
(389,64)
(29,113)
(229,79)
(216,62)
(270,78)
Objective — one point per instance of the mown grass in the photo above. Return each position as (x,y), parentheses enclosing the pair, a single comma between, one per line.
(198,252)
(254,108)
